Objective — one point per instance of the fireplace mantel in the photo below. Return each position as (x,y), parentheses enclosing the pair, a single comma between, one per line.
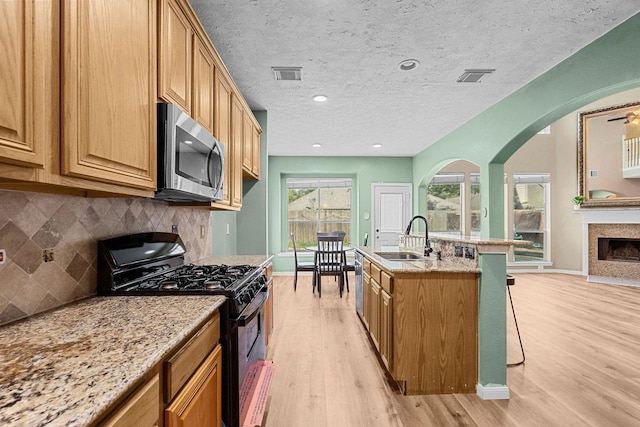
(609,215)
(626,218)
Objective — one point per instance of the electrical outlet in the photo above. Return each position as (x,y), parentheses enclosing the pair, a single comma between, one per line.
(2,256)
(469,252)
(47,255)
(202,234)
(458,251)
(174,228)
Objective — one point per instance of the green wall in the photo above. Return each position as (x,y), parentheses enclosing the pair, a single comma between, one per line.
(364,171)
(245,232)
(609,65)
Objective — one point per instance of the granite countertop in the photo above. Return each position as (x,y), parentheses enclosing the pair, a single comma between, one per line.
(429,264)
(65,367)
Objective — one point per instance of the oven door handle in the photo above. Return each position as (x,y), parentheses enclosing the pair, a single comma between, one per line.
(254,308)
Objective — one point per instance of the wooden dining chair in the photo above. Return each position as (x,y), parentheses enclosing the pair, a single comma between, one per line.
(300,265)
(330,260)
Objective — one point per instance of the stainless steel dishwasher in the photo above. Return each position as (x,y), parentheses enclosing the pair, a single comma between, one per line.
(359,261)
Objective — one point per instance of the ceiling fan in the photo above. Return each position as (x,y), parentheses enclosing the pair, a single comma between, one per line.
(628,118)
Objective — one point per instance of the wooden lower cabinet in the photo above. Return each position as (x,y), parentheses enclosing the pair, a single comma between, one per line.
(374,313)
(386,328)
(199,403)
(425,327)
(366,298)
(142,409)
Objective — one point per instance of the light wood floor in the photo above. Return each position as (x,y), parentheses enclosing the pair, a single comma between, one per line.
(582,342)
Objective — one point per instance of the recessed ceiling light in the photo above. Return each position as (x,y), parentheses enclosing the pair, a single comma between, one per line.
(320,98)
(316,145)
(377,145)
(408,65)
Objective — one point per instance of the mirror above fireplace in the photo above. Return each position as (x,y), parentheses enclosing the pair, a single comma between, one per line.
(609,156)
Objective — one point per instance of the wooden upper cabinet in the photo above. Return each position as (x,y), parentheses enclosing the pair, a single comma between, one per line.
(237,115)
(26,81)
(255,165)
(222,128)
(109,91)
(251,148)
(203,90)
(247,150)
(176,55)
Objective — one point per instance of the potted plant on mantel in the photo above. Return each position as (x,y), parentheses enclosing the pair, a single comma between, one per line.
(577,200)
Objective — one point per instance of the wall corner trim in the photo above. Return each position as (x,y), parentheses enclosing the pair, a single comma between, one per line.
(492,392)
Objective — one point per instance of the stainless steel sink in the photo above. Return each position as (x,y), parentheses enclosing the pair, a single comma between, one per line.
(399,256)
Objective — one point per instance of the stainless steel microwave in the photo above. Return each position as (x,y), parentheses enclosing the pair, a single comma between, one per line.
(190,159)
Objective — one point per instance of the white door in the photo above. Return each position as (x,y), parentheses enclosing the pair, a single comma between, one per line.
(391,212)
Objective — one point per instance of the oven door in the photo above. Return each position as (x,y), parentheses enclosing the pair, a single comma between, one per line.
(251,335)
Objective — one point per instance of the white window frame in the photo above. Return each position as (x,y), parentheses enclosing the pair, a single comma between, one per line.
(531,178)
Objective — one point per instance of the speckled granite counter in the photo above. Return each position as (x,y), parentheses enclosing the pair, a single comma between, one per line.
(65,367)
(447,264)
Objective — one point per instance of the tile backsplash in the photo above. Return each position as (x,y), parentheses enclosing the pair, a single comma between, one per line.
(68,228)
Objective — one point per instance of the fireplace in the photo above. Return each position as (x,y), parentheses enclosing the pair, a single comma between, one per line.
(618,249)
(616,262)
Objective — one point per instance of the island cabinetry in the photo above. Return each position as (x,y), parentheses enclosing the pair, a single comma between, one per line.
(366,298)
(424,326)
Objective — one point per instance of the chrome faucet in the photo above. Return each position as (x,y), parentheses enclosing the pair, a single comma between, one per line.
(427,246)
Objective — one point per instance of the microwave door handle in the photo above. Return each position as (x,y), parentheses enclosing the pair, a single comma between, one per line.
(209,169)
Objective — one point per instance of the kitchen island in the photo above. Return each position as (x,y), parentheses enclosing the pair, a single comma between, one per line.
(422,312)
(422,317)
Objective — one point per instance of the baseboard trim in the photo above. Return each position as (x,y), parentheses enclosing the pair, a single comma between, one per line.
(613,281)
(513,269)
(495,392)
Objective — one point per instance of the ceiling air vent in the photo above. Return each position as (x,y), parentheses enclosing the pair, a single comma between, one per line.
(474,75)
(287,73)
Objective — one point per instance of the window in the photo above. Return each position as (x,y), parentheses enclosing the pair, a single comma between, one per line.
(318,205)
(474,203)
(530,216)
(444,203)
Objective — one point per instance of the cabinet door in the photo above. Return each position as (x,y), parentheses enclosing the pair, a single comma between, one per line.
(366,299)
(140,410)
(386,328)
(176,38)
(255,163)
(374,311)
(109,91)
(237,115)
(247,149)
(222,124)
(203,72)
(26,82)
(200,401)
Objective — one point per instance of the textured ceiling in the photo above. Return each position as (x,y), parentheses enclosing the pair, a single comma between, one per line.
(350,50)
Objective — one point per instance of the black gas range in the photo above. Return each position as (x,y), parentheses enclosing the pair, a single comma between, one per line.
(153,264)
